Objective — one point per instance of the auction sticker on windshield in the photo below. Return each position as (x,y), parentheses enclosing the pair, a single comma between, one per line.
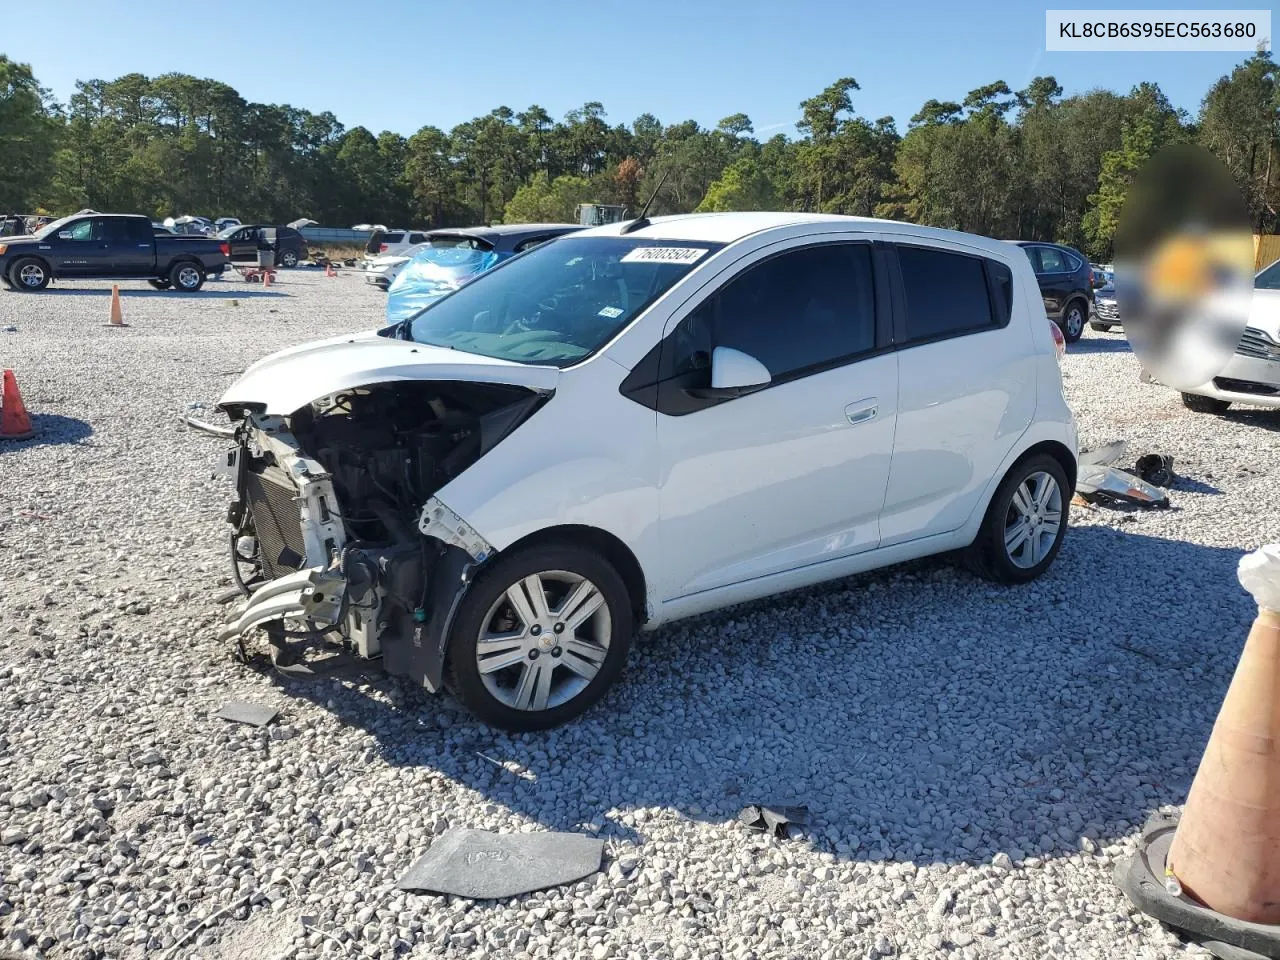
(664,255)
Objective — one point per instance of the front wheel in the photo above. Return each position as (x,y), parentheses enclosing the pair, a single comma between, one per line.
(1199,404)
(1025,523)
(1073,321)
(539,637)
(289,258)
(187,277)
(29,274)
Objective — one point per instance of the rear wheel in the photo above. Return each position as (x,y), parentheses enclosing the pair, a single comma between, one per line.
(186,276)
(289,258)
(539,637)
(160,284)
(29,274)
(1073,321)
(1193,401)
(1025,523)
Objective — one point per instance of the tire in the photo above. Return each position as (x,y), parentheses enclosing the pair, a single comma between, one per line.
(187,276)
(989,556)
(574,681)
(289,258)
(1095,325)
(29,274)
(1199,404)
(1073,318)
(160,284)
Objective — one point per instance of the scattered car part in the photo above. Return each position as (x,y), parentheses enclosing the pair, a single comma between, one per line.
(1107,453)
(1155,468)
(1107,484)
(493,866)
(774,819)
(195,423)
(1144,879)
(242,711)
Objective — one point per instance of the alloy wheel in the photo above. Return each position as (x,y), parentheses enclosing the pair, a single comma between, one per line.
(543,640)
(32,275)
(1033,520)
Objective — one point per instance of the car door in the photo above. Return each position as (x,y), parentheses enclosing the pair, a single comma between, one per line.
(795,473)
(81,249)
(1055,276)
(967,385)
(132,245)
(244,245)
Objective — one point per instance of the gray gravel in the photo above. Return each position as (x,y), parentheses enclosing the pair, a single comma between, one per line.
(975,759)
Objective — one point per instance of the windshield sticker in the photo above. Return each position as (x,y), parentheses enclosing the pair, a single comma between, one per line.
(664,255)
(613,313)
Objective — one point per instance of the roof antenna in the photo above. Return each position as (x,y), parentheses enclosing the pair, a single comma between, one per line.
(642,220)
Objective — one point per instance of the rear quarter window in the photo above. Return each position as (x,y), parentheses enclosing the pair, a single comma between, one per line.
(417,238)
(392,237)
(947,294)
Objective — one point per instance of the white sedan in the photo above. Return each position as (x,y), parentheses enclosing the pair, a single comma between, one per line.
(382,271)
(641,422)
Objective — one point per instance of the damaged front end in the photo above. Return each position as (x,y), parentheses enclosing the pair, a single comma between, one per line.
(336,528)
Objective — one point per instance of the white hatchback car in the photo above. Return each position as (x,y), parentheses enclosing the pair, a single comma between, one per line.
(641,422)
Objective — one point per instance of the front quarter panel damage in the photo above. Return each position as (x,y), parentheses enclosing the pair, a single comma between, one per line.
(337,513)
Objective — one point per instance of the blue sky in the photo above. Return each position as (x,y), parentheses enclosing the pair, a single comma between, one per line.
(399,64)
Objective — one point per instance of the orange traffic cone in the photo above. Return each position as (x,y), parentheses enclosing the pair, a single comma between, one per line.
(329,271)
(1226,851)
(266,279)
(14,422)
(117,318)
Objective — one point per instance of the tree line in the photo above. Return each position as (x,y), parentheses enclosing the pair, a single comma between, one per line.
(1029,163)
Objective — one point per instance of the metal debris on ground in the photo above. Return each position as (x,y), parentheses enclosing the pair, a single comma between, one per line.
(242,711)
(774,819)
(490,866)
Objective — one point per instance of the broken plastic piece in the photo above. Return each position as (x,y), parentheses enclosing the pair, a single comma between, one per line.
(1104,484)
(242,711)
(491,866)
(440,522)
(774,819)
(1108,453)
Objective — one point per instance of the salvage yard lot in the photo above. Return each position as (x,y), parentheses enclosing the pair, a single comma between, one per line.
(975,758)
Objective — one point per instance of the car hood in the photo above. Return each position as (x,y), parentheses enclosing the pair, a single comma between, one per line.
(283,382)
(1264,312)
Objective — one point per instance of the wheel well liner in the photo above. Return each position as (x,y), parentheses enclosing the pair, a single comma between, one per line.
(30,256)
(604,543)
(1056,450)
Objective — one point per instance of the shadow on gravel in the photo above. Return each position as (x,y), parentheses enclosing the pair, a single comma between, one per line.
(51,430)
(1262,419)
(922,714)
(1097,344)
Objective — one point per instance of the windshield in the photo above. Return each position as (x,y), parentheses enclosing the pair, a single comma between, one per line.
(53,228)
(1268,279)
(559,302)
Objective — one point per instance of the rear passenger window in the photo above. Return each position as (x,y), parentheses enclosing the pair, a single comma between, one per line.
(392,237)
(417,238)
(1051,261)
(797,311)
(946,293)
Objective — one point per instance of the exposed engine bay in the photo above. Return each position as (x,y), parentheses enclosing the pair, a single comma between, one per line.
(336,524)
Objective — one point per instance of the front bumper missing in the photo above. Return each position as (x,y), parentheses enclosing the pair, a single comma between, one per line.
(315,595)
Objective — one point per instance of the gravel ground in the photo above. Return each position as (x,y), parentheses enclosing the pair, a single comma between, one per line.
(976,759)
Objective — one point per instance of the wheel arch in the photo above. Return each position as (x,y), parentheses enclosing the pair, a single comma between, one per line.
(1055,449)
(607,545)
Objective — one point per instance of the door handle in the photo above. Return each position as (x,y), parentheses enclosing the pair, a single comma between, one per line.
(861,411)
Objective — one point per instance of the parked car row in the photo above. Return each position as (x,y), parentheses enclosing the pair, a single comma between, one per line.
(288,245)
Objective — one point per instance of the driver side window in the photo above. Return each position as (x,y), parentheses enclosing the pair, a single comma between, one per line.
(85,230)
(797,313)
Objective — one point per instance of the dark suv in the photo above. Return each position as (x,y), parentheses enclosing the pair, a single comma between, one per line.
(1066,283)
(289,245)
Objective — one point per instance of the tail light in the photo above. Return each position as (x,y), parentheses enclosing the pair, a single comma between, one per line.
(225,248)
(382,248)
(1059,341)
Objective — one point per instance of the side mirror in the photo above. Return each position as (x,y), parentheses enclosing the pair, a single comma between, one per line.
(733,374)
(64,235)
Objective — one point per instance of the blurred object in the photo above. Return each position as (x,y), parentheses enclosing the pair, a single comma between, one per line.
(1184,266)
(1059,341)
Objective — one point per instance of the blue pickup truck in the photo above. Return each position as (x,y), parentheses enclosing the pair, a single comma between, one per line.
(110,246)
